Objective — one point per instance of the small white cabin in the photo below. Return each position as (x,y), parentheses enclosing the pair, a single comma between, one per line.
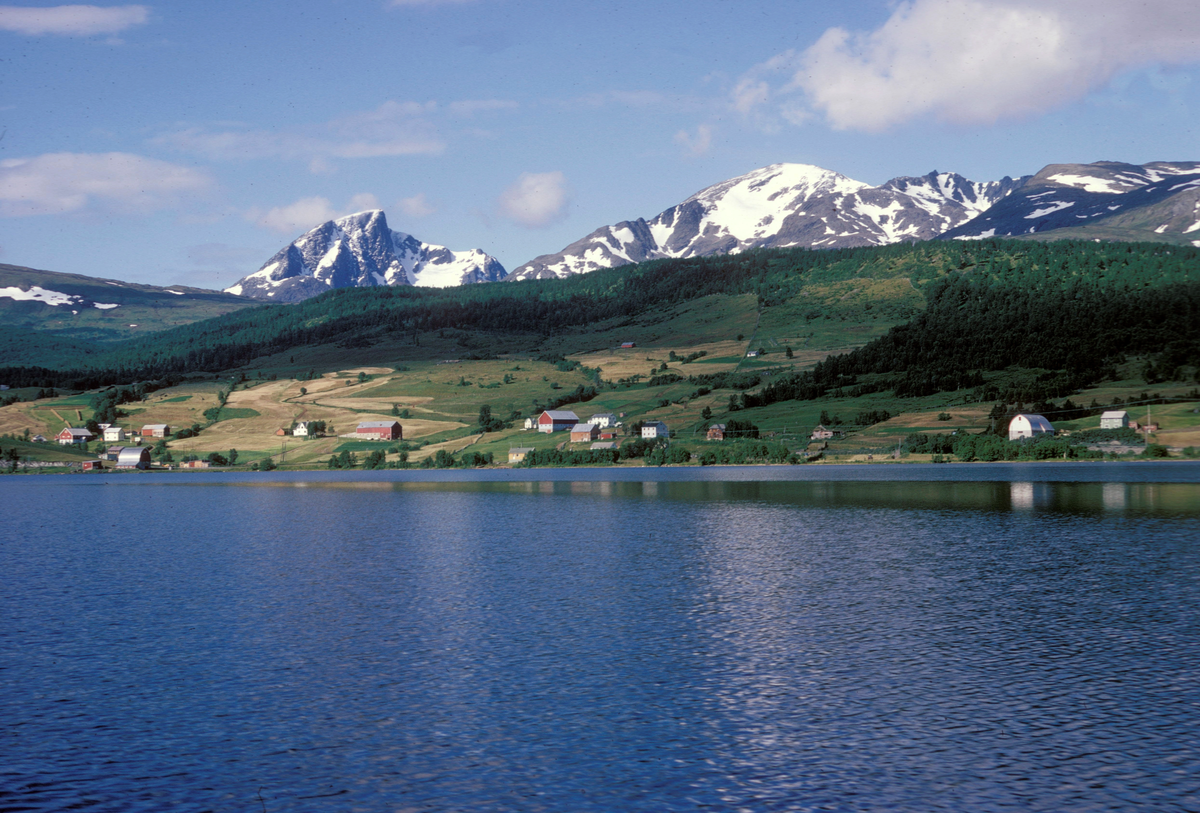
(1114,419)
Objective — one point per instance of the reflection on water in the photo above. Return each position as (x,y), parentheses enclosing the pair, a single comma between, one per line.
(596,645)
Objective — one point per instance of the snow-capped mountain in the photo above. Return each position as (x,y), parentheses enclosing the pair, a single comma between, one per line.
(360,250)
(780,206)
(1135,201)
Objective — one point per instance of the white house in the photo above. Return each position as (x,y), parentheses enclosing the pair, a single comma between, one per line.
(655,429)
(530,423)
(603,419)
(1028,426)
(1115,419)
(114,434)
(301,430)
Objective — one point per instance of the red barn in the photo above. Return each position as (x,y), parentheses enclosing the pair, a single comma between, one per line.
(379,430)
(556,420)
(73,435)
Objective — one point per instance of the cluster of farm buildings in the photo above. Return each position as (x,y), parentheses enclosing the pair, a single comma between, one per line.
(600,430)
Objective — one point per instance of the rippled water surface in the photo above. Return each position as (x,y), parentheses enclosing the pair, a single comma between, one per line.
(951,638)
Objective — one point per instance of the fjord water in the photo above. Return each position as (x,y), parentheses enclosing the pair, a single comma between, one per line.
(983,638)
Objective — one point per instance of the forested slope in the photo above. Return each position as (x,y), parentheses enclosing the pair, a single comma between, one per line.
(1070,306)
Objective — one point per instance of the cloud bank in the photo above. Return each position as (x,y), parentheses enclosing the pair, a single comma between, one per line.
(536,199)
(72,21)
(56,183)
(969,61)
(392,129)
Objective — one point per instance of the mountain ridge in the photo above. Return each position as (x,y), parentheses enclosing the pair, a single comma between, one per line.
(360,250)
(781,206)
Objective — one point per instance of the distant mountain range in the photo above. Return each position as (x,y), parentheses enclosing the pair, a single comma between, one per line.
(361,251)
(1106,200)
(781,206)
(88,309)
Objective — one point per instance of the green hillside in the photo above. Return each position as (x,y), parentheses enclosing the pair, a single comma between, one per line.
(913,319)
(935,338)
(89,313)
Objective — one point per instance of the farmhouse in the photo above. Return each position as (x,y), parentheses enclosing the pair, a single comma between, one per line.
(133,457)
(72,435)
(716,432)
(194,464)
(556,420)
(114,434)
(822,432)
(517,453)
(603,419)
(1115,419)
(155,430)
(655,429)
(301,430)
(1028,426)
(584,432)
(379,430)
(530,423)
(751,354)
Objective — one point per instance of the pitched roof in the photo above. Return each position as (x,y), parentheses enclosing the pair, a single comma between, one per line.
(561,415)
(1115,414)
(376,424)
(583,427)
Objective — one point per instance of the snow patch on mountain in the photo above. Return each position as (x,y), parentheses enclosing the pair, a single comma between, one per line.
(780,206)
(1152,198)
(36,294)
(359,250)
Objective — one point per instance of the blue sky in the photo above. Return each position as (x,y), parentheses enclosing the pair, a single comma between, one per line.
(186,142)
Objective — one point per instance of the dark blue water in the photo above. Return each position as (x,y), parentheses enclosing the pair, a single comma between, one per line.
(1026,639)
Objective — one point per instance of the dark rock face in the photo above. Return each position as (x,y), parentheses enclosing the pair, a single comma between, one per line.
(358,251)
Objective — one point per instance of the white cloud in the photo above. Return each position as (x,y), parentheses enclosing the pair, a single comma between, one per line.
(697,144)
(970,61)
(536,199)
(392,129)
(55,183)
(364,202)
(416,206)
(469,107)
(72,21)
(308,213)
